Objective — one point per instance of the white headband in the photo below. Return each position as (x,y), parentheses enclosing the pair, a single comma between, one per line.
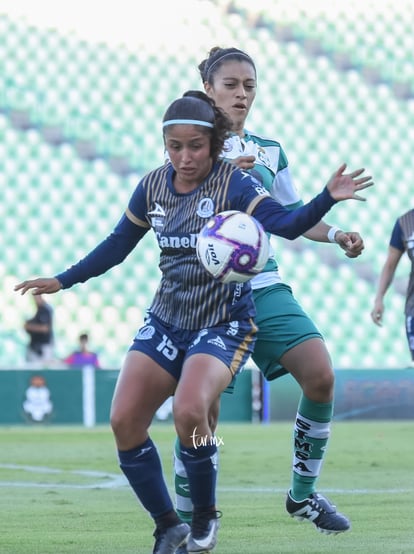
(187,122)
(228,54)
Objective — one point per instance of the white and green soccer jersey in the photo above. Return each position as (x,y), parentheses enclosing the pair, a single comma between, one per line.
(271,168)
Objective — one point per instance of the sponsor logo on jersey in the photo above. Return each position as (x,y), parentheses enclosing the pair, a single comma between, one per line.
(205,208)
(259,188)
(173,241)
(217,341)
(145,333)
(157,216)
(263,157)
(237,292)
(233,328)
(158,210)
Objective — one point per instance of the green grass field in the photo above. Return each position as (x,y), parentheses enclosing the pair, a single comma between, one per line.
(61,491)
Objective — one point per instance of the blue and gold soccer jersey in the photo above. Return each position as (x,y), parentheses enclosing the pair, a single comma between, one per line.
(187,296)
(402,238)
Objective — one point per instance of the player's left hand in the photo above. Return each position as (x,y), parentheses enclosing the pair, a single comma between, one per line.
(41,285)
(345,186)
(351,242)
(244,162)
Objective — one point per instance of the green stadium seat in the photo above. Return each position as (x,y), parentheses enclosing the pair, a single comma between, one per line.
(114,99)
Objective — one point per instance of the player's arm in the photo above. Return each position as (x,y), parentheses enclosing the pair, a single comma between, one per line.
(396,249)
(350,241)
(385,280)
(284,191)
(290,224)
(109,253)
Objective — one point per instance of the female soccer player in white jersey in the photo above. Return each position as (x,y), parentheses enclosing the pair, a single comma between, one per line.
(179,349)
(287,340)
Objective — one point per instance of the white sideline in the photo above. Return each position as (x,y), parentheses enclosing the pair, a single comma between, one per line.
(117,481)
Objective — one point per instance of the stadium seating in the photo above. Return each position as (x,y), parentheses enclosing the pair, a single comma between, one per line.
(349,32)
(69,108)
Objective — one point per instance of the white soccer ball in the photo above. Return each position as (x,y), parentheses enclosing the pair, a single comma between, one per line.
(233,247)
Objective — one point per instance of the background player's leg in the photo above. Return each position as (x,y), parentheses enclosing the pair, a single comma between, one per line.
(184,505)
(203,379)
(309,362)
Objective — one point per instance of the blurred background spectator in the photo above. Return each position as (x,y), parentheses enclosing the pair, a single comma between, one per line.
(40,330)
(82,356)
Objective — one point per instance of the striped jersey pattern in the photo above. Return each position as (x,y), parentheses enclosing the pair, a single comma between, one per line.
(405,241)
(187,297)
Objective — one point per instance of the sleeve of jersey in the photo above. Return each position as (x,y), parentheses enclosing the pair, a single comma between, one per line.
(109,253)
(283,189)
(396,240)
(290,224)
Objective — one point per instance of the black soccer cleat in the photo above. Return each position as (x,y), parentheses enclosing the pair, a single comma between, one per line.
(203,536)
(168,540)
(318,510)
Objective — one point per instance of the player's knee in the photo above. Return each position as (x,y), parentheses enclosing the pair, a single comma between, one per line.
(319,386)
(188,417)
(117,422)
(213,415)
(129,430)
(213,421)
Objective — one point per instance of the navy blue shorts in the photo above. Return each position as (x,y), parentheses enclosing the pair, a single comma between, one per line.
(169,346)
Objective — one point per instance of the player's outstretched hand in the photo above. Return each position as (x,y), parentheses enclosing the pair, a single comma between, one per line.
(42,285)
(345,186)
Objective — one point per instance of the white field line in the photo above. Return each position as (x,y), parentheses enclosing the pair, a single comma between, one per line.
(112,480)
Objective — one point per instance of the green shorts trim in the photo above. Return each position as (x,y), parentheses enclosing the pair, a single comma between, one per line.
(282,324)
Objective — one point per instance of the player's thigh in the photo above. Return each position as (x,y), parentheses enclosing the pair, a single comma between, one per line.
(142,386)
(214,357)
(203,379)
(310,364)
(283,324)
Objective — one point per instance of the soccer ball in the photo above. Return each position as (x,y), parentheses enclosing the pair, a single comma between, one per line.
(233,247)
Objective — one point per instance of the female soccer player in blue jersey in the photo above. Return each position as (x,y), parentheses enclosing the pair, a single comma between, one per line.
(287,339)
(401,241)
(199,332)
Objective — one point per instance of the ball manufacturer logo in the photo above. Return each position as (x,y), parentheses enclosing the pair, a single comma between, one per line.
(211,255)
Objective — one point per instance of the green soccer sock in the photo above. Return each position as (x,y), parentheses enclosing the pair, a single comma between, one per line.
(184,505)
(311,433)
